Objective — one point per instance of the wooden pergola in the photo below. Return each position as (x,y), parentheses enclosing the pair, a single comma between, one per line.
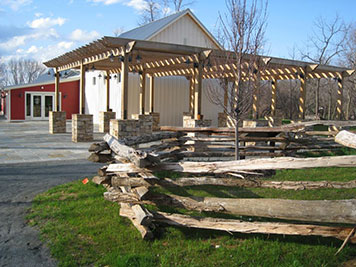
(153,59)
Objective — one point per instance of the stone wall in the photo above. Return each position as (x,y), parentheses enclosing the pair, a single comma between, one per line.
(139,125)
(104,121)
(190,122)
(57,122)
(155,120)
(82,128)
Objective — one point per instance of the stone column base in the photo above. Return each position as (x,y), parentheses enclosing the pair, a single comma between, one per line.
(104,120)
(155,120)
(57,122)
(82,128)
(189,122)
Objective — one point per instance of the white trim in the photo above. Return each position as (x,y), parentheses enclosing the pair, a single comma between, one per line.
(42,94)
(9,106)
(29,85)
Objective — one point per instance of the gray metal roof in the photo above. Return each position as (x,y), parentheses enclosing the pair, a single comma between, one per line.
(49,76)
(146,31)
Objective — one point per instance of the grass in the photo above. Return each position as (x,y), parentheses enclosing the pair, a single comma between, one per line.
(81,228)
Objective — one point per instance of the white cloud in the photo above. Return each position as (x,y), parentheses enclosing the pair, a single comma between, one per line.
(33,49)
(21,40)
(16,4)
(46,22)
(106,2)
(65,45)
(83,36)
(37,15)
(137,4)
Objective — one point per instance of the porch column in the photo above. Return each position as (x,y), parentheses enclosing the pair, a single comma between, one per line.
(226,96)
(256,86)
(124,85)
(274,96)
(107,91)
(56,90)
(82,90)
(142,92)
(152,93)
(198,90)
(191,95)
(340,89)
(303,92)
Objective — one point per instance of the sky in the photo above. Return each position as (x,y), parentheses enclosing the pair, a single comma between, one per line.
(44,29)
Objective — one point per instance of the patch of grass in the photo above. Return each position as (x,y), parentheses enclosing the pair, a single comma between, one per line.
(81,228)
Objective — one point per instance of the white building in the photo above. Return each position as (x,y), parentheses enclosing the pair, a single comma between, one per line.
(171,93)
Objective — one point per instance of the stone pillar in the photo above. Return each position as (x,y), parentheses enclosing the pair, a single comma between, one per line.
(198,146)
(57,122)
(82,128)
(139,125)
(155,120)
(144,123)
(104,120)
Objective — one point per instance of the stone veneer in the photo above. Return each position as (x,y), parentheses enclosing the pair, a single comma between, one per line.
(139,125)
(190,122)
(155,120)
(57,122)
(82,128)
(104,120)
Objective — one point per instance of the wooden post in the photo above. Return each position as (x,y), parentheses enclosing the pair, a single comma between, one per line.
(340,89)
(191,95)
(274,97)
(107,91)
(56,90)
(226,96)
(142,92)
(256,85)
(302,96)
(152,93)
(198,90)
(82,90)
(124,86)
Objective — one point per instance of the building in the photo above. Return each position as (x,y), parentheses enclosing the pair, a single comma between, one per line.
(171,93)
(34,101)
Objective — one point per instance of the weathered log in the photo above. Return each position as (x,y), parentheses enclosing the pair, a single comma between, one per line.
(148,138)
(124,168)
(326,211)
(101,180)
(102,171)
(141,192)
(126,211)
(231,130)
(139,158)
(257,183)
(230,225)
(258,164)
(98,147)
(117,196)
(346,138)
(100,157)
(142,215)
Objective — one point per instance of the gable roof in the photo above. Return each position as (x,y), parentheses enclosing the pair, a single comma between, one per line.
(149,30)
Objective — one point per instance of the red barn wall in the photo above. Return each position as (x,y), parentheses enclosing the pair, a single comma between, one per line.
(69,98)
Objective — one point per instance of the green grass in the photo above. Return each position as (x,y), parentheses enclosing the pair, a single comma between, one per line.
(81,228)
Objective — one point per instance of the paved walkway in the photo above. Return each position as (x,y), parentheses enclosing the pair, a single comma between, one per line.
(22,142)
(31,162)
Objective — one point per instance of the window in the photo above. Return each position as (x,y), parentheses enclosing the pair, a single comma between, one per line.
(28,104)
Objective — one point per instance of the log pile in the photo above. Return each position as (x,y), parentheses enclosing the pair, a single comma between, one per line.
(130,180)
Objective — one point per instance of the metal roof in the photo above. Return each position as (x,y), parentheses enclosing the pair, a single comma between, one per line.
(149,30)
(146,31)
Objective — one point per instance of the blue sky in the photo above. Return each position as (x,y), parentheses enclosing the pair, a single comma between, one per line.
(43,29)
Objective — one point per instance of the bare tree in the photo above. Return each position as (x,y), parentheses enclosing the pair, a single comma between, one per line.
(3,76)
(155,9)
(242,29)
(348,59)
(323,47)
(117,31)
(23,71)
(151,12)
(179,5)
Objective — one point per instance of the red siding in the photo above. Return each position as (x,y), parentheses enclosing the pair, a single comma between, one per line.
(69,94)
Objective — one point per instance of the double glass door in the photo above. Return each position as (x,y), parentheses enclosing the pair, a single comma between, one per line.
(38,105)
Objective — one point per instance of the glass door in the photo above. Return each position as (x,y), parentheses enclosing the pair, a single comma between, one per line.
(37,106)
(48,105)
